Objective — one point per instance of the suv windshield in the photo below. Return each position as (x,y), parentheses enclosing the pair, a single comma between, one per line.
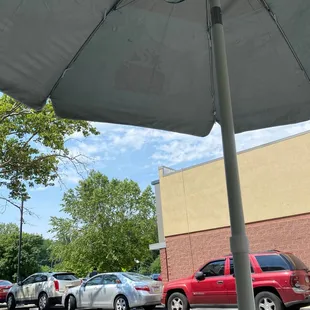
(65,276)
(296,262)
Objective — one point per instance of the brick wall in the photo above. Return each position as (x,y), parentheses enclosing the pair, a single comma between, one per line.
(185,253)
(163,264)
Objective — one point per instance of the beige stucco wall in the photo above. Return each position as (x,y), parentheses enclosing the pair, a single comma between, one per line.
(275,182)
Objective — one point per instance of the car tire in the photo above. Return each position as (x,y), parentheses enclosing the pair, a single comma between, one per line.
(43,302)
(295,307)
(177,301)
(11,303)
(71,303)
(268,298)
(121,303)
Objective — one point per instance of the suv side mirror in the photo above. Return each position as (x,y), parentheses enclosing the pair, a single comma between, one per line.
(19,283)
(199,276)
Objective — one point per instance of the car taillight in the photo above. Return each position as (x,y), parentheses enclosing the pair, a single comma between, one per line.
(159,278)
(295,281)
(56,284)
(142,288)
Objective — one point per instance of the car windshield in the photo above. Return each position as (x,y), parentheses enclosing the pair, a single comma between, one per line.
(65,276)
(136,277)
(5,283)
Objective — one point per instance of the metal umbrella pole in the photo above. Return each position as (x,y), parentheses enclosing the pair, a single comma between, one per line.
(20,239)
(238,242)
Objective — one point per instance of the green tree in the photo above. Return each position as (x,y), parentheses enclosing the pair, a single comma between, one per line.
(33,145)
(45,258)
(31,252)
(109,224)
(155,266)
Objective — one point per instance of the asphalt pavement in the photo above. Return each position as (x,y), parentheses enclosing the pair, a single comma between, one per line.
(33,307)
(29,307)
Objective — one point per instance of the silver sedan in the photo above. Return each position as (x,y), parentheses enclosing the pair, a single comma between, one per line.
(118,290)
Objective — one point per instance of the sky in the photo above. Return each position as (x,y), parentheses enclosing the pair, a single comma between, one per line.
(135,153)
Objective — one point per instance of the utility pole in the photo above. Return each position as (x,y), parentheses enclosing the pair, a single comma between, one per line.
(21,209)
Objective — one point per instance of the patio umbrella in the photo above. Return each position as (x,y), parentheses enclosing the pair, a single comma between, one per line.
(162,64)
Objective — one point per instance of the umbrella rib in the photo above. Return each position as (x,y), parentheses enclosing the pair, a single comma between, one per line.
(274,18)
(122,6)
(106,13)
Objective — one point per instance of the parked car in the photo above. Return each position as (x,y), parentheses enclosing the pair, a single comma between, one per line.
(280,280)
(4,289)
(118,290)
(156,276)
(41,289)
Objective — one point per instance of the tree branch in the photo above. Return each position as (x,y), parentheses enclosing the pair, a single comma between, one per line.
(28,141)
(13,113)
(10,202)
(26,210)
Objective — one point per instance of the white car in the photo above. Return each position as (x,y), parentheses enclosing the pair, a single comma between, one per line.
(118,290)
(41,289)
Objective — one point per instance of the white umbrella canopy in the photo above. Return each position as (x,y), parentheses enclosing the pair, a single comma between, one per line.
(162,64)
(149,62)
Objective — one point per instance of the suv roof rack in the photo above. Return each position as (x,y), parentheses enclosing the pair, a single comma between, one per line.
(258,252)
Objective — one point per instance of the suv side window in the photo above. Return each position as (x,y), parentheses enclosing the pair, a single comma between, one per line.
(214,269)
(232,268)
(272,263)
(29,280)
(40,278)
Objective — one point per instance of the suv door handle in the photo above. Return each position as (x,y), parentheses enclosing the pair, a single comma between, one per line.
(220,282)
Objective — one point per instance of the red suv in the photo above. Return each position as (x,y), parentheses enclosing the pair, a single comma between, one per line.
(280,280)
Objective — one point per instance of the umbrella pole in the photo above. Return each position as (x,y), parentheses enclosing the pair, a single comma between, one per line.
(238,242)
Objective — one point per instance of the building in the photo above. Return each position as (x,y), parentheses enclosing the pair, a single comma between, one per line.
(192,208)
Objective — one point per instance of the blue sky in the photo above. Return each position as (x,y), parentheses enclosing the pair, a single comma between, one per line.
(135,153)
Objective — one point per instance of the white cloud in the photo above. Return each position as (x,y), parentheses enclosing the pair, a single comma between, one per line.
(166,148)
(187,149)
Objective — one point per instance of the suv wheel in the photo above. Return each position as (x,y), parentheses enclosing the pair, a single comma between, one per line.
(11,303)
(268,301)
(177,301)
(43,303)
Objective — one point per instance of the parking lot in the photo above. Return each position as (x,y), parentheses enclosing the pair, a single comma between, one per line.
(3,307)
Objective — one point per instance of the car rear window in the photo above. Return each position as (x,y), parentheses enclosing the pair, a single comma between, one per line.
(297,263)
(65,276)
(135,276)
(5,283)
(272,263)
